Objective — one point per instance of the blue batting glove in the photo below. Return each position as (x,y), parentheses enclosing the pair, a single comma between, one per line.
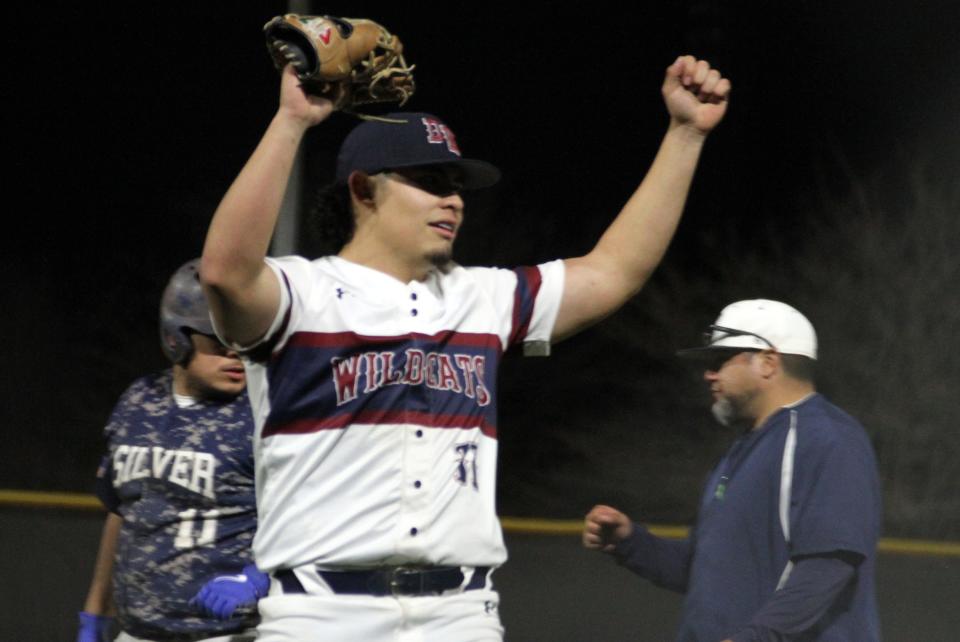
(94,628)
(224,594)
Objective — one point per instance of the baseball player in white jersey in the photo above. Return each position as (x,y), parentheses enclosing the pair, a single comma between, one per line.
(372,372)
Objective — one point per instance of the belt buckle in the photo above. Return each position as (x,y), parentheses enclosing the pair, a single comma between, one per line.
(400,581)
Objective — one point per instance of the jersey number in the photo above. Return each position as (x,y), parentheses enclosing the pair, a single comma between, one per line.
(466,472)
(191,534)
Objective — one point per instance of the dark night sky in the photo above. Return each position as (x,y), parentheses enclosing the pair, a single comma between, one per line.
(128,125)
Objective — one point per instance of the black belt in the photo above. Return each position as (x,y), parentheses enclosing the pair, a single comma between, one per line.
(399,580)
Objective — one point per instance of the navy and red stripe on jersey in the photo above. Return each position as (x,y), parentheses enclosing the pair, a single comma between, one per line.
(376,411)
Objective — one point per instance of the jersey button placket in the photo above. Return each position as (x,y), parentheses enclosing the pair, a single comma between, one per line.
(416,495)
(417,453)
(419,306)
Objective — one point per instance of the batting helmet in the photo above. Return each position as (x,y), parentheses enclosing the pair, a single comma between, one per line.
(183,308)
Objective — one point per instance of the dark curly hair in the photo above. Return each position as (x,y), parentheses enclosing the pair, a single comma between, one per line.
(331,223)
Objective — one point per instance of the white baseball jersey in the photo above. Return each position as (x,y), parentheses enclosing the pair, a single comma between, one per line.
(375,411)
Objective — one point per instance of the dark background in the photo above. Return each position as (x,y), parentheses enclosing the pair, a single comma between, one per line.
(832,184)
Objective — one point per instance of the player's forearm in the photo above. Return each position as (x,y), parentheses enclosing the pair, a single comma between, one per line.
(636,241)
(600,282)
(240,232)
(99,598)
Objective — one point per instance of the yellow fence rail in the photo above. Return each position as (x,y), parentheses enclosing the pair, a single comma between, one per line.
(514,525)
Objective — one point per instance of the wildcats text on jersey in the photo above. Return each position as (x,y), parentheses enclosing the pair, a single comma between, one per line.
(436,370)
(445,380)
(192,470)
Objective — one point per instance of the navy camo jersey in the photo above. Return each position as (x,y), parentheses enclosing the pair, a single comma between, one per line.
(182,479)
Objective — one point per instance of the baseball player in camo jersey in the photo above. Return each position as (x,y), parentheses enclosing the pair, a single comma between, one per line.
(178,480)
(372,372)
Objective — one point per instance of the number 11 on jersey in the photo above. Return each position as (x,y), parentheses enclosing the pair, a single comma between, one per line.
(191,534)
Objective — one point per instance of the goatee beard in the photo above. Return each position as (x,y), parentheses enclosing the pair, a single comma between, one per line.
(441,258)
(723,411)
(727,413)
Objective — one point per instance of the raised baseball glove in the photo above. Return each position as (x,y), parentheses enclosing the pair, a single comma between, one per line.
(350,61)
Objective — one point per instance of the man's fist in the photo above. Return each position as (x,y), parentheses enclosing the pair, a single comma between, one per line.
(695,94)
(605,527)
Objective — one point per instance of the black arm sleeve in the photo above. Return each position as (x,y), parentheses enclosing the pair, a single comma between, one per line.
(104,489)
(810,591)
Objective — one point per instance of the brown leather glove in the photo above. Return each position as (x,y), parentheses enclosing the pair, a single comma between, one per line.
(351,61)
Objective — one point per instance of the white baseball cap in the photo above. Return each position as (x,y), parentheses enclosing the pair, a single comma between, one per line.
(759,324)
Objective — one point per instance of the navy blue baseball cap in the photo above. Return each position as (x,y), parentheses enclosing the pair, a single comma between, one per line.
(414,139)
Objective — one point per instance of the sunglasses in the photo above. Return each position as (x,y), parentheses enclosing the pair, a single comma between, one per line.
(708,339)
(724,354)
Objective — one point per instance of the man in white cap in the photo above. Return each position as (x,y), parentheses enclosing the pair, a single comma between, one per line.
(785,541)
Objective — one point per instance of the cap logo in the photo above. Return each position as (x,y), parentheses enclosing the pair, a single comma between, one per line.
(438,133)
(325,36)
